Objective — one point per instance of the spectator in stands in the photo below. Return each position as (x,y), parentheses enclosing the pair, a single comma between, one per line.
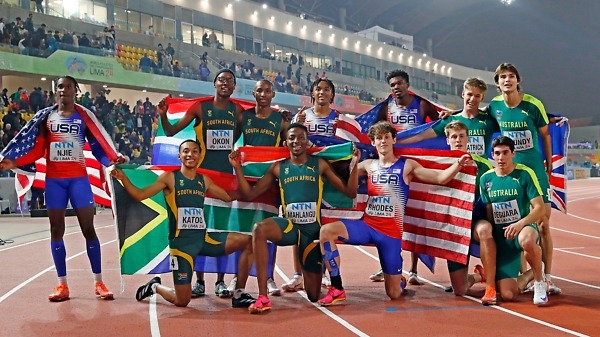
(51,99)
(52,44)
(160,53)
(204,57)
(205,40)
(25,43)
(298,74)
(84,41)
(39,6)
(28,25)
(38,37)
(293,59)
(150,30)
(57,36)
(301,63)
(176,69)
(145,63)
(67,38)
(4,97)
(204,72)
(323,75)
(2,30)
(36,99)
(212,39)
(147,106)
(170,50)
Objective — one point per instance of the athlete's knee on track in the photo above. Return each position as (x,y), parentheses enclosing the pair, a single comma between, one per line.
(182,302)
(509,295)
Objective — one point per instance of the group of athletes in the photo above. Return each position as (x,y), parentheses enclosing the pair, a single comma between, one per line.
(510,216)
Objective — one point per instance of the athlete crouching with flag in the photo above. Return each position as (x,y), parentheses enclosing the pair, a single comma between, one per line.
(388,182)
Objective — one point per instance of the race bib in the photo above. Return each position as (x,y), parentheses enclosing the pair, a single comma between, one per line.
(476,145)
(190,218)
(506,212)
(65,151)
(219,139)
(301,212)
(380,207)
(523,139)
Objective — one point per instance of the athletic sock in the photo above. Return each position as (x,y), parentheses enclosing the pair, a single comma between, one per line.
(98,277)
(59,255)
(238,293)
(336,282)
(93,251)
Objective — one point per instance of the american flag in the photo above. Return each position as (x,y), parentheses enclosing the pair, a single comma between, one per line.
(100,143)
(95,171)
(437,219)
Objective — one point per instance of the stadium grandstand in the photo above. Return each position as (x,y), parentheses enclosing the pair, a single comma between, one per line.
(128,55)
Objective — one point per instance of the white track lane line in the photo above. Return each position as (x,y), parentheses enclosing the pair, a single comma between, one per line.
(514,313)
(324,310)
(48,238)
(15,289)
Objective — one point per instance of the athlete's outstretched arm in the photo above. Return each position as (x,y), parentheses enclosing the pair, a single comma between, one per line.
(164,182)
(216,190)
(251,192)
(435,176)
(421,136)
(195,112)
(351,187)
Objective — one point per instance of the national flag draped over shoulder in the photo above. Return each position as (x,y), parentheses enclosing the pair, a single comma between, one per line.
(437,219)
(95,171)
(143,226)
(100,144)
(165,148)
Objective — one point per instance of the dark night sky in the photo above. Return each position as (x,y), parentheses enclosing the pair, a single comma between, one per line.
(555,44)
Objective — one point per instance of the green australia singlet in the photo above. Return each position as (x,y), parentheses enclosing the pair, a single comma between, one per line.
(218,136)
(186,207)
(510,195)
(301,191)
(480,131)
(521,123)
(261,131)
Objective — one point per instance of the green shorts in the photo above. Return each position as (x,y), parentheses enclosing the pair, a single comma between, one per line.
(309,251)
(187,246)
(508,253)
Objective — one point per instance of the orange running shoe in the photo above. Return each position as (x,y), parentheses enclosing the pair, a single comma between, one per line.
(262,303)
(61,293)
(489,298)
(480,271)
(103,292)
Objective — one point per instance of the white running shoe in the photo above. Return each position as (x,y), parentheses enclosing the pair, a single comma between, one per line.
(553,289)
(540,293)
(377,277)
(294,284)
(231,286)
(325,281)
(272,288)
(413,279)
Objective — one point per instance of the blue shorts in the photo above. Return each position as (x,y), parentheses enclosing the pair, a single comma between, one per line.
(60,190)
(388,248)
